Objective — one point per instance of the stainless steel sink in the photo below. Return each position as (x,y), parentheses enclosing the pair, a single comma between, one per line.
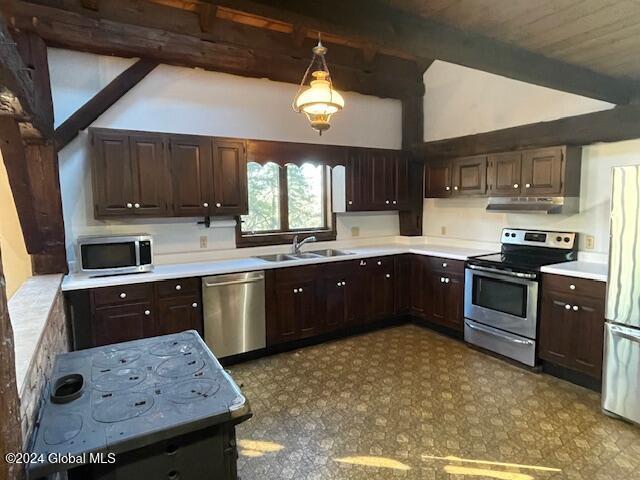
(330,253)
(277,257)
(305,255)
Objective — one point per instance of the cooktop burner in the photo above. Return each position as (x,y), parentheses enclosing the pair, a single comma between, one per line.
(107,399)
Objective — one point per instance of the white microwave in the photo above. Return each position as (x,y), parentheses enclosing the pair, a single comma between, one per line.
(115,254)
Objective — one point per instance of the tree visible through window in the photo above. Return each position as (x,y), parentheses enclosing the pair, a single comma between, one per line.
(285,199)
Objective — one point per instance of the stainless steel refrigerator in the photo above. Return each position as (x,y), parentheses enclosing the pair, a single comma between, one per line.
(621,379)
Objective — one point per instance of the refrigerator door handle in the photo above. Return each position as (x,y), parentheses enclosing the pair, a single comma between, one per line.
(625,333)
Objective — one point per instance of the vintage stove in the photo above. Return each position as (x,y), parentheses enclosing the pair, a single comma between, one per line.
(164,406)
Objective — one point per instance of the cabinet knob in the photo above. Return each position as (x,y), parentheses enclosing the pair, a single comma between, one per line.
(339,284)
(194,305)
(363,263)
(147,312)
(129,205)
(137,205)
(455,188)
(300,290)
(441,279)
(350,202)
(344,283)
(515,185)
(394,202)
(379,262)
(218,205)
(576,308)
(388,275)
(387,202)
(447,188)
(444,265)
(572,287)
(295,290)
(527,185)
(447,280)
(567,307)
(205,204)
(123,295)
(178,287)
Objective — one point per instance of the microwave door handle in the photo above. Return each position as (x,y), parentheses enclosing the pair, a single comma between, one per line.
(137,253)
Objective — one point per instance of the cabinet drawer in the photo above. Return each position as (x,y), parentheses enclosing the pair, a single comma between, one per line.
(446,265)
(179,286)
(296,274)
(142,292)
(576,286)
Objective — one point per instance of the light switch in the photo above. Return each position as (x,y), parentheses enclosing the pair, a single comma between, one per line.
(204,241)
(443,230)
(355,231)
(589,242)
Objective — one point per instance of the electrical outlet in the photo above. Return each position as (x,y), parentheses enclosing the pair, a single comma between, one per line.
(204,241)
(355,231)
(443,230)
(589,242)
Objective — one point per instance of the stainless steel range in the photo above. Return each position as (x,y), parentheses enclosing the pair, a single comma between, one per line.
(501,291)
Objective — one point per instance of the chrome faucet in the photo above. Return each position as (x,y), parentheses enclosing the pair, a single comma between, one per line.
(297,245)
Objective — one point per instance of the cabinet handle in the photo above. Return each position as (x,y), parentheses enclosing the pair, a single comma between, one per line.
(339,284)
(194,305)
(147,312)
(441,279)
(350,202)
(295,290)
(379,262)
(388,275)
(527,185)
(344,283)
(394,202)
(455,188)
(576,308)
(205,204)
(123,295)
(129,205)
(218,205)
(387,202)
(447,280)
(515,185)
(447,188)
(137,205)
(567,307)
(178,287)
(300,290)
(572,287)
(444,265)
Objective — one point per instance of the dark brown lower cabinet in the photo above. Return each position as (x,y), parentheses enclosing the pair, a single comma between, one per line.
(178,314)
(383,292)
(572,324)
(122,323)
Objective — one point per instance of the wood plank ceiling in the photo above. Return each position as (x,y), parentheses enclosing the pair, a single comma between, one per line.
(601,35)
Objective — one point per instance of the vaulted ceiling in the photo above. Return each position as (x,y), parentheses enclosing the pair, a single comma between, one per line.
(602,35)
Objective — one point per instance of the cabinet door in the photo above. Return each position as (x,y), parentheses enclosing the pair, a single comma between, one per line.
(112,174)
(281,312)
(358,293)
(454,302)
(542,171)
(588,335)
(438,179)
(179,314)
(123,323)
(505,174)
(358,181)
(190,160)
(556,329)
(230,177)
(419,287)
(403,283)
(470,176)
(151,176)
(334,300)
(382,289)
(305,310)
(383,180)
(401,197)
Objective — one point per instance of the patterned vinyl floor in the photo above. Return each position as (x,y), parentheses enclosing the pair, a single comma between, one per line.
(408,403)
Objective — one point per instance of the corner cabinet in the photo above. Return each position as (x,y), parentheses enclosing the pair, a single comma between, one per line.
(162,175)
(553,171)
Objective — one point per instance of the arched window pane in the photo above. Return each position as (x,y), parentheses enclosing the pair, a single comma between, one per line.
(306,188)
(264,198)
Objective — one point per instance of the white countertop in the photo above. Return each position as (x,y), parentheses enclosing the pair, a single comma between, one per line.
(580,269)
(235,265)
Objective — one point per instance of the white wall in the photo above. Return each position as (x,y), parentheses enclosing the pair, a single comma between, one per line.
(181,100)
(462,101)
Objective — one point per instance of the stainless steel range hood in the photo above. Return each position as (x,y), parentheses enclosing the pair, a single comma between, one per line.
(547,205)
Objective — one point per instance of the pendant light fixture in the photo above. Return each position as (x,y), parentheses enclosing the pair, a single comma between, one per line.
(318,101)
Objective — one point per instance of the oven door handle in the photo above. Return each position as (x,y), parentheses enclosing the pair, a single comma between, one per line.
(496,334)
(531,276)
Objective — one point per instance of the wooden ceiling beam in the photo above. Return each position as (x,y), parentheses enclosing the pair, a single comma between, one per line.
(372,21)
(168,35)
(101,101)
(614,125)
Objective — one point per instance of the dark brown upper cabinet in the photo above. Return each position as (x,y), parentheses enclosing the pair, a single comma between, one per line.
(542,171)
(377,180)
(438,179)
(469,176)
(230,177)
(130,174)
(190,158)
(505,170)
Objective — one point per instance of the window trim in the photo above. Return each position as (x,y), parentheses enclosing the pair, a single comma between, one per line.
(285,235)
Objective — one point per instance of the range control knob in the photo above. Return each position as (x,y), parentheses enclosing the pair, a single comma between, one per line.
(558,239)
(567,239)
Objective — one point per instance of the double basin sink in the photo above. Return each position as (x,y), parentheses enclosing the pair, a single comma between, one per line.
(285,257)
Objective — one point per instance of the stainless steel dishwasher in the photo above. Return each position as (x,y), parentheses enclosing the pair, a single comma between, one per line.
(234,316)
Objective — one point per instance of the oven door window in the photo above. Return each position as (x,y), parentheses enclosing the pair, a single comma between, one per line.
(500,295)
(108,255)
